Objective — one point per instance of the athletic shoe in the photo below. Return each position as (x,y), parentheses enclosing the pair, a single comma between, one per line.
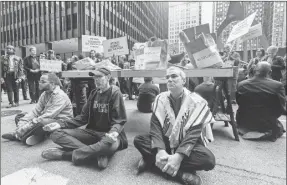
(34,139)
(53,154)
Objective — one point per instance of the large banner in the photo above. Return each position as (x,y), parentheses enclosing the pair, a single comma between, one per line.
(50,65)
(241,28)
(254,31)
(118,46)
(92,43)
(147,58)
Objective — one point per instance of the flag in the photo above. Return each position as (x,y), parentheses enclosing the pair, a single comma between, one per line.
(235,12)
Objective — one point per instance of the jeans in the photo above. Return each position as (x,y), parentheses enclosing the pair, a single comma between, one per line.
(200,158)
(12,88)
(24,89)
(83,145)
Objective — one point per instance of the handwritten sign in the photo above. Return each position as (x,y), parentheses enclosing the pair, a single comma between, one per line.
(207,57)
(92,43)
(241,28)
(147,58)
(254,31)
(50,65)
(118,46)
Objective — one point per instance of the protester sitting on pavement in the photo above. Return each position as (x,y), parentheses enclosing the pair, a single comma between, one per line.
(277,63)
(261,102)
(260,56)
(105,116)
(54,106)
(12,71)
(179,124)
(147,93)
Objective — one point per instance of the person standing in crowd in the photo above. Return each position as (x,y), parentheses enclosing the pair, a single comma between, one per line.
(12,73)
(147,93)
(132,87)
(176,143)
(277,63)
(53,107)
(93,55)
(261,102)
(105,116)
(260,56)
(58,56)
(32,67)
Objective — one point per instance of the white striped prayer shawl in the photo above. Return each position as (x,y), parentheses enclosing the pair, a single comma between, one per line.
(194,111)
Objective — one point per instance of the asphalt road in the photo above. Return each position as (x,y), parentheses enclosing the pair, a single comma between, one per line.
(238,163)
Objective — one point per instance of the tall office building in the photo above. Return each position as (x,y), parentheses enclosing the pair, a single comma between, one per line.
(182,15)
(59,25)
(269,14)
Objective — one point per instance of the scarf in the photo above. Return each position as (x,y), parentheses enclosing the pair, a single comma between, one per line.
(194,111)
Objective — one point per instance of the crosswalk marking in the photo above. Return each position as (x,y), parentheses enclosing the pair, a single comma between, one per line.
(33,176)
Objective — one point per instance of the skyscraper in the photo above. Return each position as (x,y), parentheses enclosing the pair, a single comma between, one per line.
(58,24)
(182,15)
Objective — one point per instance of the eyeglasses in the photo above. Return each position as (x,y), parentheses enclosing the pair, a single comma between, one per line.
(173,76)
(43,82)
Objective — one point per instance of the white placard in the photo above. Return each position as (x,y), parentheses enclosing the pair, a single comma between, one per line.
(147,58)
(50,65)
(207,57)
(254,31)
(241,28)
(118,46)
(92,43)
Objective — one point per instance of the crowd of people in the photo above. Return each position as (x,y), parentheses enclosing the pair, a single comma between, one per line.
(180,124)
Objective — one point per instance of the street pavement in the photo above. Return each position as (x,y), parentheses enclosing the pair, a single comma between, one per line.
(237,163)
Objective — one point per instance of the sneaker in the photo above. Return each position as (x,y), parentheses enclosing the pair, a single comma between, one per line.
(10,106)
(190,179)
(10,136)
(102,162)
(53,154)
(34,139)
(141,166)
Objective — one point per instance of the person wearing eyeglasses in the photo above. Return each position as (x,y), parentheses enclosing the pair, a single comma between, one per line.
(54,106)
(12,73)
(179,131)
(105,116)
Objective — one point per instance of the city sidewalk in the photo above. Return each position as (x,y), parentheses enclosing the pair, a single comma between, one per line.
(244,162)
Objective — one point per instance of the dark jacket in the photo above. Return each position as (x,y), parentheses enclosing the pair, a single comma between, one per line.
(116,116)
(28,67)
(277,65)
(18,67)
(261,101)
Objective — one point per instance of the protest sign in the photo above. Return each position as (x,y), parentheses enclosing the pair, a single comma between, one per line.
(116,47)
(92,43)
(241,28)
(85,64)
(193,32)
(147,58)
(254,31)
(51,65)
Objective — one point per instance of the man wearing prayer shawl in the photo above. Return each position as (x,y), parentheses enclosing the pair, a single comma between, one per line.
(179,131)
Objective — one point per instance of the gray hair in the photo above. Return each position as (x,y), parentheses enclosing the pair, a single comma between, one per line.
(181,72)
(272,48)
(32,47)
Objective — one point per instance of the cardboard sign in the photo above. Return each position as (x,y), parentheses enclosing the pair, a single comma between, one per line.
(51,65)
(85,64)
(118,46)
(193,32)
(147,58)
(92,43)
(241,28)
(254,31)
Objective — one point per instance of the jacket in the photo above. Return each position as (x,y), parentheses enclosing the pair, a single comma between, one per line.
(28,67)
(18,67)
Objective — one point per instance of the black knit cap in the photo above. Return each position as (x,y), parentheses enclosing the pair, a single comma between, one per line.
(103,70)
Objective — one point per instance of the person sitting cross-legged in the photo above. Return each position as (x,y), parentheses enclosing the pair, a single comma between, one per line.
(261,101)
(105,116)
(54,106)
(179,131)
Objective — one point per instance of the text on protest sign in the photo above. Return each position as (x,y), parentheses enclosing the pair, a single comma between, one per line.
(50,65)
(147,58)
(118,46)
(207,57)
(254,31)
(241,28)
(92,43)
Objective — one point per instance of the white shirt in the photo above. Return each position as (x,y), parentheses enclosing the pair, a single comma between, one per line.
(11,63)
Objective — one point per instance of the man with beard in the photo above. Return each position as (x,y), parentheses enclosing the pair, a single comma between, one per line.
(179,131)
(32,67)
(54,106)
(105,115)
(13,74)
